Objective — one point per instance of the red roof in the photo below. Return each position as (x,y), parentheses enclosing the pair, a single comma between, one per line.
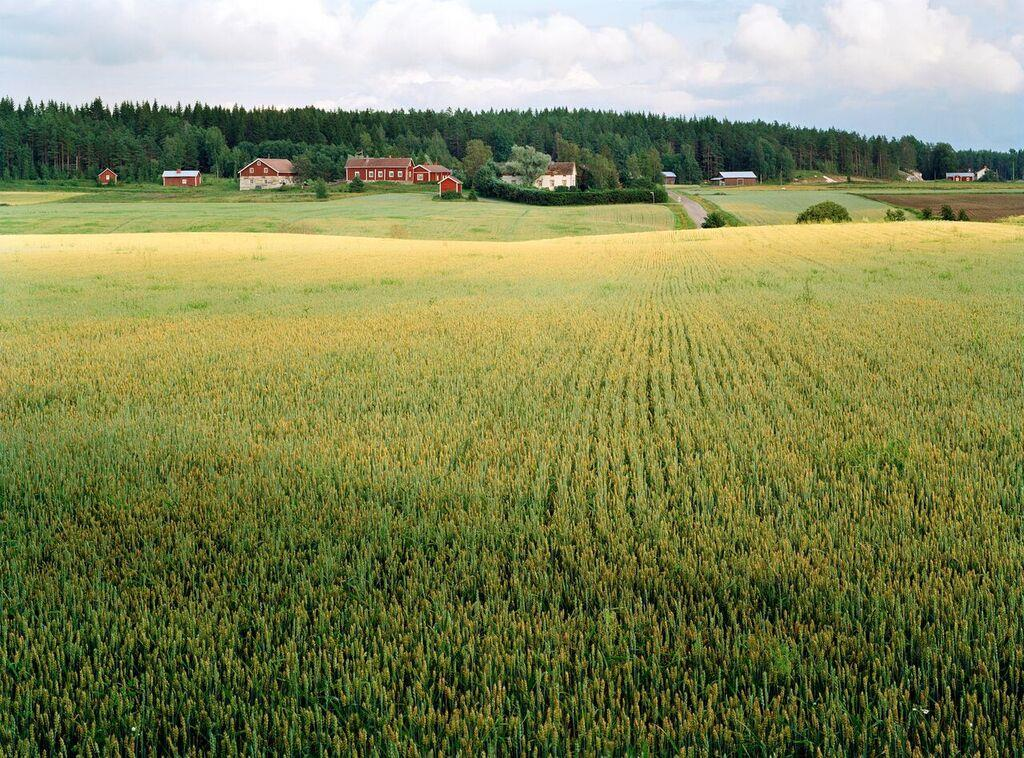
(280,165)
(378,163)
(433,168)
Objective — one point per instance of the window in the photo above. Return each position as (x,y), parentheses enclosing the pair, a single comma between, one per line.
(391,174)
(266,170)
(184,182)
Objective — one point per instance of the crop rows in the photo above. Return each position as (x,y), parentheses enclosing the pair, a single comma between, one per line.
(713,492)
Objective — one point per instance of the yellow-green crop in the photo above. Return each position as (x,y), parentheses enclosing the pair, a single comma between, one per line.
(750,491)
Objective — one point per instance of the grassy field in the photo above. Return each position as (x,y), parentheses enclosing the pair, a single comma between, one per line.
(770,206)
(14,198)
(213,189)
(750,491)
(413,215)
(978,205)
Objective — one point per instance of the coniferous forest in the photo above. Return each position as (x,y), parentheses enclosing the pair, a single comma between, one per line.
(60,141)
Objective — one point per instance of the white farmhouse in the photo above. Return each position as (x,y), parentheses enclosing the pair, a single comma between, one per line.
(557,175)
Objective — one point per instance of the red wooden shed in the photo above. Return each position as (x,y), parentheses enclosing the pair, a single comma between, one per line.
(449,184)
(107,177)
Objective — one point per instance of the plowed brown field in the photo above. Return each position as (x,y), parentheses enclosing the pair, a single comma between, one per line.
(979,206)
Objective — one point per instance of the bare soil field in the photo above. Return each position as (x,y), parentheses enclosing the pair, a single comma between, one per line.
(979,206)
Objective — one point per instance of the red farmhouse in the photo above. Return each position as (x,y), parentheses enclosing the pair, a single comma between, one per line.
(429,173)
(267,173)
(107,177)
(379,169)
(181,178)
(449,184)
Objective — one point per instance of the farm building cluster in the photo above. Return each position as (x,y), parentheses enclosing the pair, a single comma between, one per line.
(273,173)
(403,171)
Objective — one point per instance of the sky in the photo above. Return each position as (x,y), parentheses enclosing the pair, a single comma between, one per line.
(941,70)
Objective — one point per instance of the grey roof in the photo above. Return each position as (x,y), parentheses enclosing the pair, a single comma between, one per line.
(737,175)
(668,173)
(180,174)
(960,173)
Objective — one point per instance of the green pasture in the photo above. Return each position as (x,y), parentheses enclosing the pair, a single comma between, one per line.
(769,207)
(411,215)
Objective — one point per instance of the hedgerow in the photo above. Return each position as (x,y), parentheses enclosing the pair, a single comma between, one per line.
(495,188)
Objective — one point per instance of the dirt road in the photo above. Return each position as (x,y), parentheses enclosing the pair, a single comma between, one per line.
(693,209)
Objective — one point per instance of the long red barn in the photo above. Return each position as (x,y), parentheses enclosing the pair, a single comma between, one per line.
(379,169)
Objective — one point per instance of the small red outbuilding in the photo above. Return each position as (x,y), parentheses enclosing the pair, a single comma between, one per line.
(449,184)
(107,177)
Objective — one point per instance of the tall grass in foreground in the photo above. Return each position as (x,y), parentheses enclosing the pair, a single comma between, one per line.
(742,491)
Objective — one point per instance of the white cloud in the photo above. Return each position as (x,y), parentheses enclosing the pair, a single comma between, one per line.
(383,54)
(764,38)
(888,45)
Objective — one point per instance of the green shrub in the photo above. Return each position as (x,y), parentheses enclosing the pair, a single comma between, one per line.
(356,185)
(946,214)
(824,213)
(927,215)
(320,189)
(450,195)
(962,215)
(715,220)
(895,215)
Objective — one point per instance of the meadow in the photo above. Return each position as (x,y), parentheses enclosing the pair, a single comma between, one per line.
(16,198)
(398,215)
(764,206)
(742,491)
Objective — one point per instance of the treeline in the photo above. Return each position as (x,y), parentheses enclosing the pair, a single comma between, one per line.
(139,140)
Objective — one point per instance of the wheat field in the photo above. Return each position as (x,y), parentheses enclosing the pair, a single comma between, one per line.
(734,491)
